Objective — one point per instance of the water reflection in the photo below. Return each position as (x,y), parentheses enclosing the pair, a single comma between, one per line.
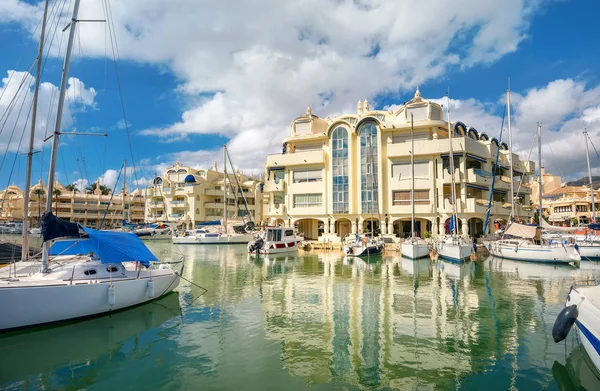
(321,319)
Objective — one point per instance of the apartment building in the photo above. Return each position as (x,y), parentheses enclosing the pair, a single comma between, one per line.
(339,176)
(87,208)
(189,196)
(570,205)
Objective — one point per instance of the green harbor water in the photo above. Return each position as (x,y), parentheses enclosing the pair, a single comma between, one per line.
(319,321)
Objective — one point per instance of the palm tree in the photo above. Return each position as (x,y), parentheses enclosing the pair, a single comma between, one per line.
(103,189)
(72,187)
(39,192)
(56,193)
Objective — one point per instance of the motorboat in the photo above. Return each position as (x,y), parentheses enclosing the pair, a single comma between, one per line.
(204,236)
(275,240)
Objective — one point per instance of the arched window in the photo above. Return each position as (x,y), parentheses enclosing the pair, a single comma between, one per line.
(368,167)
(339,166)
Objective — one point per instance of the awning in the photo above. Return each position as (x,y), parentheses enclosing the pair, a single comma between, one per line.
(522,231)
(472,186)
(500,191)
(480,159)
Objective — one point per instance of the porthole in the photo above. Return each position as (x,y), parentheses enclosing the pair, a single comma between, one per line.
(112,269)
(90,272)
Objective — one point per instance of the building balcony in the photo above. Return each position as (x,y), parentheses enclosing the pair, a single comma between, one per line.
(446,206)
(447,178)
(479,177)
(178,202)
(477,205)
(274,185)
(296,159)
(213,192)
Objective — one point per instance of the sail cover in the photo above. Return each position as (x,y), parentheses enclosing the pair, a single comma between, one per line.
(53,227)
(109,246)
(549,227)
(521,231)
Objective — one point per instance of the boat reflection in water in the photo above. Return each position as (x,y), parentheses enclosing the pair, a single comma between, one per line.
(76,344)
(317,320)
(578,372)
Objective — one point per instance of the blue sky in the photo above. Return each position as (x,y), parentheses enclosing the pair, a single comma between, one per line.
(196,75)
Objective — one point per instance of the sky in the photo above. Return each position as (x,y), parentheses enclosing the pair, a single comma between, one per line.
(174,80)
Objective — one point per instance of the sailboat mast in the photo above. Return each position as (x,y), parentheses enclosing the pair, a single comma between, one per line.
(225,188)
(541,176)
(510,158)
(587,156)
(55,141)
(412,176)
(451,161)
(38,71)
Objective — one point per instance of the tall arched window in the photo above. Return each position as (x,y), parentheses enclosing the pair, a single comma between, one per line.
(368,167)
(339,165)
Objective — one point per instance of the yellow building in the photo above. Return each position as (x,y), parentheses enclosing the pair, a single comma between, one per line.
(89,209)
(550,183)
(570,204)
(188,196)
(352,174)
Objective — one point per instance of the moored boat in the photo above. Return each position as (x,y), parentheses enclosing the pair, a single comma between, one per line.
(275,240)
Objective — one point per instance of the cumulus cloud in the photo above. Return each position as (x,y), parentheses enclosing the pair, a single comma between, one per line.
(247,71)
(16,98)
(109,178)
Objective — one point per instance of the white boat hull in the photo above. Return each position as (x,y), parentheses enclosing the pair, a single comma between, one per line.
(279,248)
(219,239)
(534,253)
(588,320)
(589,252)
(414,250)
(27,303)
(456,252)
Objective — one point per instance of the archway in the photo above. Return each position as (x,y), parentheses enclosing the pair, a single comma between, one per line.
(447,226)
(476,227)
(402,227)
(309,228)
(343,227)
(371,225)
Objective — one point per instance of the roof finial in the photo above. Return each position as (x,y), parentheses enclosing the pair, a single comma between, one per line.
(308,111)
(366,106)
(417,94)
(359,107)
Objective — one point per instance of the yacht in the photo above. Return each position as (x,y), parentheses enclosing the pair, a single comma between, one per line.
(364,246)
(275,240)
(204,236)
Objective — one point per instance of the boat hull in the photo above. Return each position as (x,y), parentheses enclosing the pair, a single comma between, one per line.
(278,248)
(557,254)
(221,239)
(454,252)
(414,250)
(589,252)
(363,251)
(588,320)
(29,304)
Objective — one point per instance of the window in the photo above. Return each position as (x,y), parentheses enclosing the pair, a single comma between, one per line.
(277,199)
(402,170)
(308,200)
(289,232)
(90,272)
(302,176)
(112,269)
(368,167)
(339,165)
(278,175)
(402,197)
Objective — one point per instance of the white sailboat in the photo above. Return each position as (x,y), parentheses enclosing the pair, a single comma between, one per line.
(83,272)
(525,243)
(415,247)
(453,247)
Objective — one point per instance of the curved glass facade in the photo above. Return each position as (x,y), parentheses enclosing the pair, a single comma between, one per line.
(339,166)
(368,167)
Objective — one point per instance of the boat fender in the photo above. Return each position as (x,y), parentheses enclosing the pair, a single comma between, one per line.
(111,295)
(150,289)
(563,323)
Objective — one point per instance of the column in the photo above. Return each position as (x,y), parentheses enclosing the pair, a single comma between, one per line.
(332,226)
(325,227)
(434,227)
(390,227)
(353,226)
(465,226)
(442,231)
(382,227)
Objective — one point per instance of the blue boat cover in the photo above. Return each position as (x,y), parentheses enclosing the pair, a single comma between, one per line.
(213,222)
(53,227)
(595,227)
(109,246)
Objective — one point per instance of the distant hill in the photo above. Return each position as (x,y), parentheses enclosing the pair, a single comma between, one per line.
(585,181)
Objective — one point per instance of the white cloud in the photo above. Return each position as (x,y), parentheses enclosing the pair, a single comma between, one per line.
(109,179)
(248,70)
(16,98)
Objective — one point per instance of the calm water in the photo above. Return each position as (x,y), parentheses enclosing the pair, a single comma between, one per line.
(322,322)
